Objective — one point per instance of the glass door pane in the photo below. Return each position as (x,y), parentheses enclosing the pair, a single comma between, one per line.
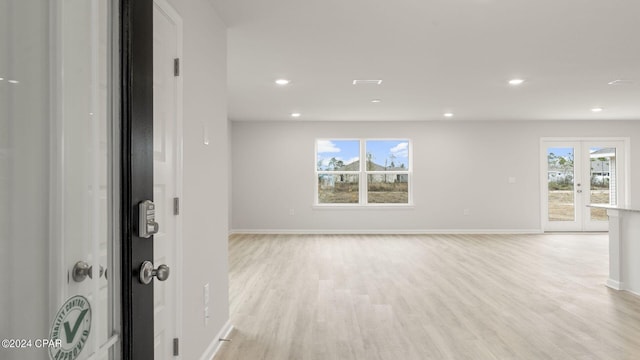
(606,176)
(602,184)
(560,184)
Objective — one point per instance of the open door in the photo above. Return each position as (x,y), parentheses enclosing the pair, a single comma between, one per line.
(139,212)
(76,162)
(59,180)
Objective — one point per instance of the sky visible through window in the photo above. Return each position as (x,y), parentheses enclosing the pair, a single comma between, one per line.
(567,152)
(386,153)
(389,153)
(346,151)
(561,152)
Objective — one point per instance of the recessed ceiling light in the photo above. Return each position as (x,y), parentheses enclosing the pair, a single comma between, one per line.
(1,79)
(620,82)
(282,81)
(376,100)
(296,115)
(516,81)
(13,81)
(448,114)
(367,82)
(597,109)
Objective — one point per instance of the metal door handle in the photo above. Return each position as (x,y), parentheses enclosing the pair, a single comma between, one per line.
(147,272)
(81,270)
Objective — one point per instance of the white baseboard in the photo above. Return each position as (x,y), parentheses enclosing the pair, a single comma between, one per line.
(383,232)
(616,285)
(213,348)
(632,292)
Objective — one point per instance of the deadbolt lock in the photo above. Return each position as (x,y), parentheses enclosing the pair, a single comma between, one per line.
(147,225)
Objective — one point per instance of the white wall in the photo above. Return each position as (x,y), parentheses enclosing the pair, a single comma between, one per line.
(24,174)
(205,208)
(457,166)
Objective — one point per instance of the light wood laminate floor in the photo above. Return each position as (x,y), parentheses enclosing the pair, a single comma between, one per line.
(406,297)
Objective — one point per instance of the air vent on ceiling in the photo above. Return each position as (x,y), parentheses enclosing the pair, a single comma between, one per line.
(367,82)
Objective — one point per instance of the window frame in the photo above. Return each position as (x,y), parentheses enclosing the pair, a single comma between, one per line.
(363,183)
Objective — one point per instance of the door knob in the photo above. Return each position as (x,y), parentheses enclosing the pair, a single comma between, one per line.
(147,272)
(81,270)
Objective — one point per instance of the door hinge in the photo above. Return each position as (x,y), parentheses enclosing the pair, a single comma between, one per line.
(176,347)
(176,67)
(176,206)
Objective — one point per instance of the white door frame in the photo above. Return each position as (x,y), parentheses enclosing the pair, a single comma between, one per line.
(623,178)
(176,270)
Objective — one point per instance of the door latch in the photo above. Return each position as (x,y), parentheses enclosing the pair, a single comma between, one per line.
(81,270)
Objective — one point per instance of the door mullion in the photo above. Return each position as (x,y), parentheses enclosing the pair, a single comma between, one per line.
(579,185)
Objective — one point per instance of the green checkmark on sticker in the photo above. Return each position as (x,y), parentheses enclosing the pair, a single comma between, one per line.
(71,333)
(74,320)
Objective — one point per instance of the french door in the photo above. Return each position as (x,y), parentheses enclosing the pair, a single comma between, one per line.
(576,173)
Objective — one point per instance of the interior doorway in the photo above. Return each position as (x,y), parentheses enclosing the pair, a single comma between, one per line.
(579,172)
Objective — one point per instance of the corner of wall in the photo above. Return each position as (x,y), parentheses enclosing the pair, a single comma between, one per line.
(217,342)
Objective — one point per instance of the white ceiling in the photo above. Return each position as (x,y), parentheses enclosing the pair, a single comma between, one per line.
(434,56)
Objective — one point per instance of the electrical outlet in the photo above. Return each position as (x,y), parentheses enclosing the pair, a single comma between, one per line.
(292,211)
(466,212)
(512,180)
(205,295)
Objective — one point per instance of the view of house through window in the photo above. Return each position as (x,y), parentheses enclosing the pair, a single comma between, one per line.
(379,167)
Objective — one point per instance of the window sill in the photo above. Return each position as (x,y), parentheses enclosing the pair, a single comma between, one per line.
(363,207)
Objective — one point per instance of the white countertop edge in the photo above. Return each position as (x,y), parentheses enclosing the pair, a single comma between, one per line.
(612,207)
